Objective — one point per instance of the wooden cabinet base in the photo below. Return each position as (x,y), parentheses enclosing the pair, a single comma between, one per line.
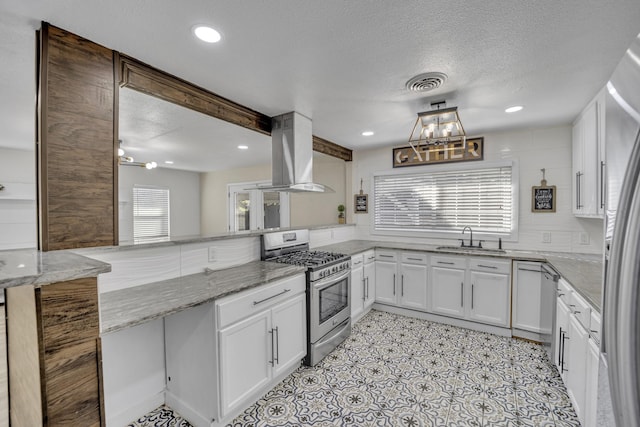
(54,355)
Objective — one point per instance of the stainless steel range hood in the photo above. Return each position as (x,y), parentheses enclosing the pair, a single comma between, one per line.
(292,155)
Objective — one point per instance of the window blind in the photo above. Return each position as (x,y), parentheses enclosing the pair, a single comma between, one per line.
(445,201)
(150,214)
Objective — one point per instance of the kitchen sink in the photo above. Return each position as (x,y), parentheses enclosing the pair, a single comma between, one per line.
(474,249)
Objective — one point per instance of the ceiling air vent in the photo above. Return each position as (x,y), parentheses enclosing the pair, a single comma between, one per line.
(426,82)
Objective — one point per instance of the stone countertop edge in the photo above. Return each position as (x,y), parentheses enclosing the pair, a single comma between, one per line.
(31,267)
(582,271)
(133,306)
(200,239)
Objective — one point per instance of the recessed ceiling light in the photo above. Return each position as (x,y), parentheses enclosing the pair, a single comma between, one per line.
(206,34)
(169,162)
(243,147)
(367,133)
(513,109)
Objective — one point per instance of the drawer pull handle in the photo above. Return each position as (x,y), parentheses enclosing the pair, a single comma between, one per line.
(385,256)
(446,263)
(529,269)
(271,297)
(415,259)
(371,257)
(488,266)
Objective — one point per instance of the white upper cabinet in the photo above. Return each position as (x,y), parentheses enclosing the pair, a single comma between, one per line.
(588,160)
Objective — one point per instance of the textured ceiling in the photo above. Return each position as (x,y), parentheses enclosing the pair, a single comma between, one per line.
(345,63)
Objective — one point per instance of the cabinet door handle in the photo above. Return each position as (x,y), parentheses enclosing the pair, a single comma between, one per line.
(493,267)
(277,359)
(578,190)
(528,269)
(402,285)
(461,294)
(446,263)
(602,184)
(564,337)
(273,359)
(394,284)
(472,296)
(271,297)
(560,346)
(367,287)
(364,290)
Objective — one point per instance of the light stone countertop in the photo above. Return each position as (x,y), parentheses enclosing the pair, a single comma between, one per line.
(32,267)
(133,306)
(582,271)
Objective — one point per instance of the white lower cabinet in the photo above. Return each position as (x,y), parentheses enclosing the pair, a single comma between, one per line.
(577,365)
(401,279)
(475,289)
(358,286)
(223,356)
(577,353)
(369,273)
(490,296)
(447,290)
(244,360)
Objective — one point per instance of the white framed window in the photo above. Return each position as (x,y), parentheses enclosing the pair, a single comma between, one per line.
(253,209)
(150,214)
(441,201)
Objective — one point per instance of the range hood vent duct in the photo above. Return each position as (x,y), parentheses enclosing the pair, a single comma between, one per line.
(292,155)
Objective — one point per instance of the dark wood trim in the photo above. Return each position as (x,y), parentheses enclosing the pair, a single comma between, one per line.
(116,146)
(151,81)
(147,79)
(327,147)
(41,135)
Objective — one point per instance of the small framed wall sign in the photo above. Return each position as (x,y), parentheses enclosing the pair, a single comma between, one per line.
(543,197)
(360,203)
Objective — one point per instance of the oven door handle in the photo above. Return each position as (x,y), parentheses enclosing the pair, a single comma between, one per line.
(325,283)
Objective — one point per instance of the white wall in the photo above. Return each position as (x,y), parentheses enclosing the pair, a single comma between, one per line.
(534,149)
(18,216)
(184,198)
(306,209)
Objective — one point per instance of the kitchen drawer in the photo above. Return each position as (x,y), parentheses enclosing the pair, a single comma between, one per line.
(414,258)
(564,291)
(449,262)
(594,331)
(235,307)
(390,256)
(581,309)
(369,256)
(357,260)
(490,265)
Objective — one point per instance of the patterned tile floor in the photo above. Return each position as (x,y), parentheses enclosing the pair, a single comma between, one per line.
(400,371)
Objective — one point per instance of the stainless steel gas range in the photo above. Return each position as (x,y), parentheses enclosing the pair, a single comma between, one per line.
(328,284)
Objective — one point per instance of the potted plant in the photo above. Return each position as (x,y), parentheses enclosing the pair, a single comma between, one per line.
(341,217)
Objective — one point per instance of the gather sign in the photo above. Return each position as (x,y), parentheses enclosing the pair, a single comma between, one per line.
(455,151)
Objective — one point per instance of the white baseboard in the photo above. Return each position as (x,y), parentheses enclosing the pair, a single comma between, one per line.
(496,330)
(132,413)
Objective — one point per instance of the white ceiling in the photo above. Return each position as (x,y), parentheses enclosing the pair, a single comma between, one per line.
(345,63)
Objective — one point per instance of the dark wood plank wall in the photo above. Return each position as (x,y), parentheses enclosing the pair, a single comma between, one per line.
(76,159)
(68,322)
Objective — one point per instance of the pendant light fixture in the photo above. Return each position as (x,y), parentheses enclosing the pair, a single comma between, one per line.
(437,127)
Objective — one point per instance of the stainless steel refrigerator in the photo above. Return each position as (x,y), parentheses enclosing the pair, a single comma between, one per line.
(619,373)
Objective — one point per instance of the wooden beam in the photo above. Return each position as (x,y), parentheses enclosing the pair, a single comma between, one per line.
(327,147)
(147,79)
(144,78)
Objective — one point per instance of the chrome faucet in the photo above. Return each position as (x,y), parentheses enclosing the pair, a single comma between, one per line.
(470,238)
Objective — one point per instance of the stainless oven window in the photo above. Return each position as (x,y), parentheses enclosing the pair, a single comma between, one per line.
(333,299)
